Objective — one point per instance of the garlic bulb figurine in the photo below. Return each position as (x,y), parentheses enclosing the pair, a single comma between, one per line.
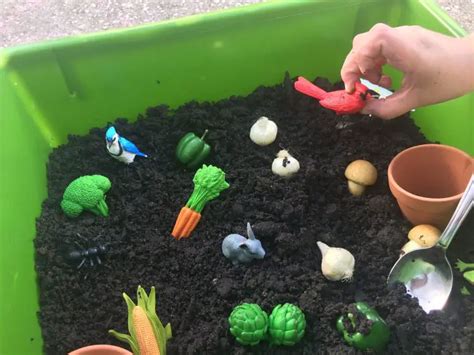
(264,131)
(337,264)
(284,164)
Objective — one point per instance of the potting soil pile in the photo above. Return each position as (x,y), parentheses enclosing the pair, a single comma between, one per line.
(197,287)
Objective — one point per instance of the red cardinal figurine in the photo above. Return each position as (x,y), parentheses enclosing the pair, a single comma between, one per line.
(339,101)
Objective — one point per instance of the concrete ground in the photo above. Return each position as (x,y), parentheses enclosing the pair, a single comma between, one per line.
(460,10)
(26,21)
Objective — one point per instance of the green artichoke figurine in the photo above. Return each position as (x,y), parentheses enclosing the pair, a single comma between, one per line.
(248,323)
(286,324)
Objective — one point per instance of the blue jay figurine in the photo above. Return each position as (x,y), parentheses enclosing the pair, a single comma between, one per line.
(121,148)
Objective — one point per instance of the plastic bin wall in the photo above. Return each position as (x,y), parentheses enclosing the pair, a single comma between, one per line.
(52,89)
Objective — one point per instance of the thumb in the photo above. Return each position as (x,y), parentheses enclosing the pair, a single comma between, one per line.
(393,106)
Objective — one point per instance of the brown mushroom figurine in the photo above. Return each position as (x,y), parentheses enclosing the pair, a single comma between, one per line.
(360,174)
(425,235)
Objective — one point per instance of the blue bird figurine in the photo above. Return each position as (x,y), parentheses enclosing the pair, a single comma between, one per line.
(121,148)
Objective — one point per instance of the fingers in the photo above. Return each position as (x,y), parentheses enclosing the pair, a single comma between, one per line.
(361,64)
(385,81)
(367,68)
(373,76)
(366,58)
(350,72)
(393,106)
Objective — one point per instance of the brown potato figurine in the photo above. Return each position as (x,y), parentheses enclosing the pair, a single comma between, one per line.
(424,235)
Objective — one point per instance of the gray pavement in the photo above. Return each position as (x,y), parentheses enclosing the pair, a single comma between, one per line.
(26,21)
(460,10)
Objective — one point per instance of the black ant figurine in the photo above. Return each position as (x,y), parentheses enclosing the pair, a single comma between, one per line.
(81,255)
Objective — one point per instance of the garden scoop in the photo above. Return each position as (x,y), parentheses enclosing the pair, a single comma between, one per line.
(426,273)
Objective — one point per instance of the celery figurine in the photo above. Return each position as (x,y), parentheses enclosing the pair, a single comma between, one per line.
(209,181)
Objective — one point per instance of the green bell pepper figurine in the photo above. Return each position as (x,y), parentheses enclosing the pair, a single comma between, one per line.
(192,151)
(363,328)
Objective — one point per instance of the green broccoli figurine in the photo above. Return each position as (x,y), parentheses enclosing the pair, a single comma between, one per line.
(248,323)
(287,324)
(86,193)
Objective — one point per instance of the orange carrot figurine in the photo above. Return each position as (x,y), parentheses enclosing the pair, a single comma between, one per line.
(209,181)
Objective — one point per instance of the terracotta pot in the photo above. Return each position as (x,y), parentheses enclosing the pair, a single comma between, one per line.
(101,349)
(428,181)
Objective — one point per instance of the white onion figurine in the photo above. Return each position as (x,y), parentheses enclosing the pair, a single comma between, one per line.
(264,131)
(337,264)
(285,165)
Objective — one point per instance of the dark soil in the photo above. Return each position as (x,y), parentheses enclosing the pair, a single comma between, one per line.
(197,287)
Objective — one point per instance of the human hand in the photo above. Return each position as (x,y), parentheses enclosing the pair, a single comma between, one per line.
(435,67)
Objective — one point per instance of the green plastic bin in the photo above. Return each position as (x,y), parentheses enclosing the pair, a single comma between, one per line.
(49,90)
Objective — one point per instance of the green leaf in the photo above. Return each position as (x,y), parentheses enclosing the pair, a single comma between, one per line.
(152,300)
(130,306)
(126,339)
(148,303)
(169,333)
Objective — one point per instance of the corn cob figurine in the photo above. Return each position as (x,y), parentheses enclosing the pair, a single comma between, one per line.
(147,334)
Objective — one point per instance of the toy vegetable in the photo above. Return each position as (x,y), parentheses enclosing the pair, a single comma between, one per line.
(286,324)
(86,193)
(421,236)
(209,181)
(363,328)
(192,151)
(248,323)
(359,174)
(285,164)
(425,235)
(147,334)
(337,263)
(468,275)
(264,131)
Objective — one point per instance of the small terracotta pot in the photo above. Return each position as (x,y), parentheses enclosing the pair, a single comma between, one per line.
(101,349)
(428,181)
